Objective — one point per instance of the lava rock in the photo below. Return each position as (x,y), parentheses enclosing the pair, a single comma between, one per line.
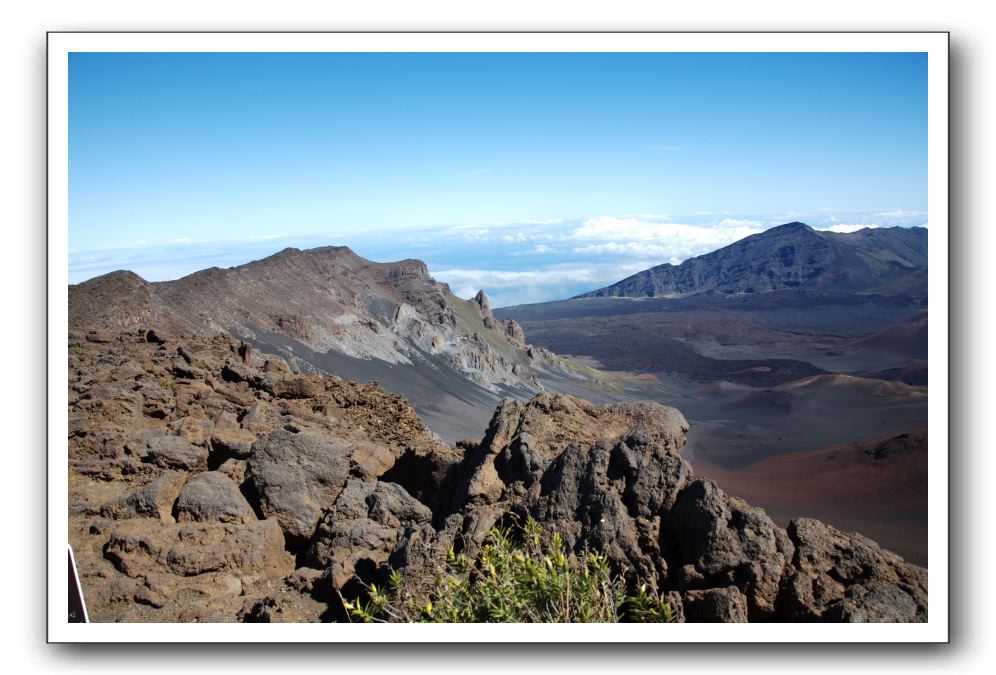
(213,496)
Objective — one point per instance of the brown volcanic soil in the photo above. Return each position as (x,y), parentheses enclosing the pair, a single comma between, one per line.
(877,487)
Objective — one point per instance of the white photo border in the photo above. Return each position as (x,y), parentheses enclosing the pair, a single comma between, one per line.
(934,44)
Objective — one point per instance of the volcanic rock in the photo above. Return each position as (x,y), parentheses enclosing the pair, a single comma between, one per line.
(609,478)
(153,500)
(484,305)
(170,452)
(359,532)
(716,605)
(213,496)
(232,443)
(296,477)
(343,480)
(846,577)
(131,470)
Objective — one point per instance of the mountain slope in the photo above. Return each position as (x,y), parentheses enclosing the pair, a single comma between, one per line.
(790,256)
(326,299)
(327,310)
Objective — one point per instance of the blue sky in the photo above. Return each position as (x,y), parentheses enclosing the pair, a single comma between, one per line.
(529,174)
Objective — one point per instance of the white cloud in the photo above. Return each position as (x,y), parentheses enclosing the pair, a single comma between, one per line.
(509,233)
(901,214)
(733,222)
(629,248)
(550,282)
(544,221)
(539,249)
(660,240)
(469,232)
(480,278)
(650,216)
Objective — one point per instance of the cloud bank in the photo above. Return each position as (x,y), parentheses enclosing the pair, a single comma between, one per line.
(516,263)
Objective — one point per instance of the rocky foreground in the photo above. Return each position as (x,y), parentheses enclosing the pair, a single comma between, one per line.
(209,482)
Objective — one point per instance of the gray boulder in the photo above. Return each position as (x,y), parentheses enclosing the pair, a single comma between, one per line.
(169,452)
(296,476)
(362,528)
(716,605)
(213,496)
(232,443)
(849,578)
(152,500)
(716,540)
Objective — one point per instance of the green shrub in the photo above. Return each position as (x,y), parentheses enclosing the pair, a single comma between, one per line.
(519,582)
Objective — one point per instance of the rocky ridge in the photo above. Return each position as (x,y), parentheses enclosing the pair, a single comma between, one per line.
(794,256)
(326,300)
(210,482)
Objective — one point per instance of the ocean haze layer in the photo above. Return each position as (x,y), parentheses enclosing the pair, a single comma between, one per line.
(518,263)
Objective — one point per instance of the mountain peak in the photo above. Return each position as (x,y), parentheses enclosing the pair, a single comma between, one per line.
(788,228)
(789,256)
(120,277)
(331,251)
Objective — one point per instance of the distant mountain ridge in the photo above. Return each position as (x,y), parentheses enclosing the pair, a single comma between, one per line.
(327,310)
(792,256)
(325,298)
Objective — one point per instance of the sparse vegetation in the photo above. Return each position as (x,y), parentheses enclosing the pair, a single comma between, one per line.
(518,581)
(166,382)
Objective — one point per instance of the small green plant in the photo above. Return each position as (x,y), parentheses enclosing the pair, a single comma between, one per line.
(647,607)
(518,581)
(166,382)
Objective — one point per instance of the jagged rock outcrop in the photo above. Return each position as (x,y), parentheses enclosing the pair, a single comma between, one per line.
(609,478)
(847,577)
(362,528)
(514,332)
(209,482)
(484,305)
